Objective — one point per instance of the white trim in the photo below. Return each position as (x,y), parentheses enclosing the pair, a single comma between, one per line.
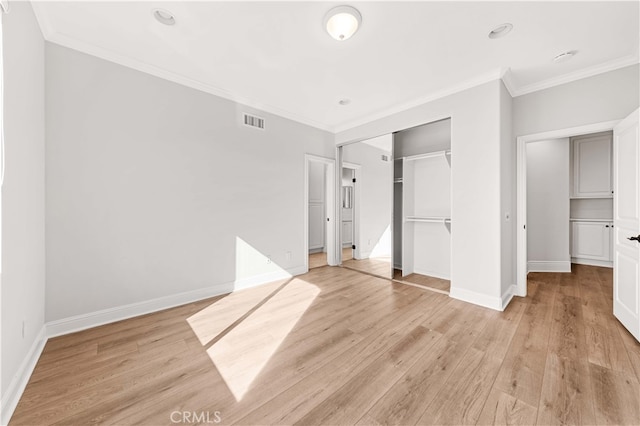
(521,189)
(507,296)
(12,396)
(507,79)
(549,266)
(119,313)
(592,262)
(72,43)
(491,302)
(574,76)
(457,88)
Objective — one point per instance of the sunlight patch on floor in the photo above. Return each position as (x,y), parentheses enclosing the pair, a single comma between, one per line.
(242,353)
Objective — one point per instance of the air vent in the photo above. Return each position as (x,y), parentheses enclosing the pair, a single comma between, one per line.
(253,121)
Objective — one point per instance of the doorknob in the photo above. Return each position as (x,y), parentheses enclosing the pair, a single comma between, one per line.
(634,238)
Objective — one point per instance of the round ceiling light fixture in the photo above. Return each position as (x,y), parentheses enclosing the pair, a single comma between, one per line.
(164,16)
(565,56)
(501,30)
(342,22)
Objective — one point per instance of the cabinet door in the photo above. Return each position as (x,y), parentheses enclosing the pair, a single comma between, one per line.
(592,167)
(591,240)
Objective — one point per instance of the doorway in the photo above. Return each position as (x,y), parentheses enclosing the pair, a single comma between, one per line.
(319,206)
(522,252)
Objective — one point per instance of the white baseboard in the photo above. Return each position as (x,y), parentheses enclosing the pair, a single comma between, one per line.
(19,382)
(591,262)
(507,296)
(432,274)
(480,299)
(106,316)
(549,266)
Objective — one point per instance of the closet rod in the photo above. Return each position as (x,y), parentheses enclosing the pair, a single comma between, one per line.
(429,219)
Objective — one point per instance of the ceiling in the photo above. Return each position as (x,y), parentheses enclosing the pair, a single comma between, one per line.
(276,56)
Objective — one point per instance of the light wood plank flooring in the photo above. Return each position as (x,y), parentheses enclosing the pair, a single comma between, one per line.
(317,260)
(423,280)
(380,266)
(336,346)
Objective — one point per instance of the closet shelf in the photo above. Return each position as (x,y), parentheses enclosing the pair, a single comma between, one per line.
(430,219)
(428,155)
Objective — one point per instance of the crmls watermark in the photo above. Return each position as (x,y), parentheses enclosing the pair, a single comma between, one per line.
(195,417)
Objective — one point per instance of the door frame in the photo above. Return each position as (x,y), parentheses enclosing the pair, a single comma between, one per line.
(521,189)
(330,228)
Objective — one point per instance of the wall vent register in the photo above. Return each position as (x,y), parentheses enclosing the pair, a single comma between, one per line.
(253,121)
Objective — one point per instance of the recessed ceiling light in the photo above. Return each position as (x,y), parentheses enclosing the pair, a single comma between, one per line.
(342,22)
(565,56)
(344,102)
(164,16)
(501,30)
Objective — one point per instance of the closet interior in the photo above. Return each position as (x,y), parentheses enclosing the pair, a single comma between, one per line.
(422,205)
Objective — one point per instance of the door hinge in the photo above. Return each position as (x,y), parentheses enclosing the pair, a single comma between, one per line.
(353,247)
(354,180)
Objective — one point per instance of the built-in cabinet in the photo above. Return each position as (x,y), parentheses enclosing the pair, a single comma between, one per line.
(591,201)
(592,164)
(591,241)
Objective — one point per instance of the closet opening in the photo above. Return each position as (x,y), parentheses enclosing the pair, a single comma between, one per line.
(396,205)
(422,205)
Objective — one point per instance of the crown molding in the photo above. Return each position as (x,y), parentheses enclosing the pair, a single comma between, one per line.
(468,84)
(576,75)
(507,79)
(108,55)
(43,21)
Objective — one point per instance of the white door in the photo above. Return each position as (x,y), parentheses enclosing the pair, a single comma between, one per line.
(626,214)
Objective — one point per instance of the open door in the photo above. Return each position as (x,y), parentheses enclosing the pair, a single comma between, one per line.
(626,217)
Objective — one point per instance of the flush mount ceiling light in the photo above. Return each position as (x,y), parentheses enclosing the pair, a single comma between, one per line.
(501,30)
(164,16)
(342,22)
(565,56)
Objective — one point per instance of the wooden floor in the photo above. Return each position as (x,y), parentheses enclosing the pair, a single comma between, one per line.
(336,346)
(380,266)
(423,280)
(317,260)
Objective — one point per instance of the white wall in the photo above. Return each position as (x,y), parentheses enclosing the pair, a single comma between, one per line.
(604,97)
(154,189)
(476,273)
(507,196)
(430,137)
(23,278)
(374,192)
(548,205)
